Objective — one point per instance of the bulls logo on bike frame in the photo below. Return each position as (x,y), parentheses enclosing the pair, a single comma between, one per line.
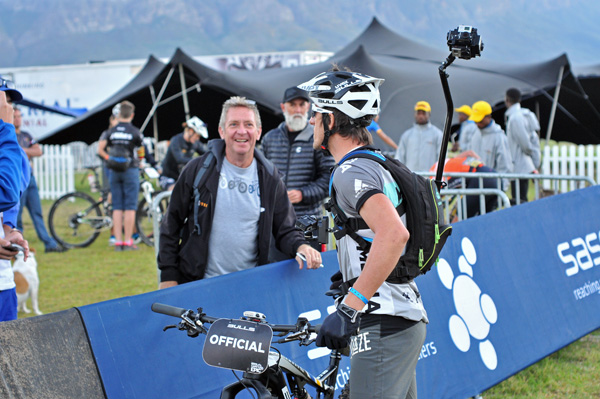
(238,345)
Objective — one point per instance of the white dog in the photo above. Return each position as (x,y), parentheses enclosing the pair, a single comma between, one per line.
(27,281)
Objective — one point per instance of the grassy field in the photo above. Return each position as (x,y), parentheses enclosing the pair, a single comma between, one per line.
(98,273)
(82,276)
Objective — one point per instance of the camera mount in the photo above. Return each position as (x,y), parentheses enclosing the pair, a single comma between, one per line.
(464,43)
(314,229)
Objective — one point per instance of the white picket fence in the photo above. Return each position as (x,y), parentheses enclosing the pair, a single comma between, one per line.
(54,171)
(575,160)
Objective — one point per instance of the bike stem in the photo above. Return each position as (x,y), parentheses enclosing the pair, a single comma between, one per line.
(449,111)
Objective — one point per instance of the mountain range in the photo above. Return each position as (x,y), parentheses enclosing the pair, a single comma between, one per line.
(52,32)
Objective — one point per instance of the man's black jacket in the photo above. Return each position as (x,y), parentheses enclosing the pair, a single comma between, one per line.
(183,255)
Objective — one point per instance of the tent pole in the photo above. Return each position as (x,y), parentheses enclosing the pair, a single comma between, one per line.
(177,95)
(154,120)
(155,105)
(554,103)
(186,105)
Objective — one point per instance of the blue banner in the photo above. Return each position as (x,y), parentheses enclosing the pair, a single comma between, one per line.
(511,287)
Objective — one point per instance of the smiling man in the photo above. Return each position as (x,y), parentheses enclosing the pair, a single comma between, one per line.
(240,203)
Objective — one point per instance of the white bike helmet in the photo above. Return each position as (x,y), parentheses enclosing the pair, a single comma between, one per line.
(198,126)
(116,110)
(352,93)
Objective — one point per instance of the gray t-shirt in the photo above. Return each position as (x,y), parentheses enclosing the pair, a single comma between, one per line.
(353,180)
(233,244)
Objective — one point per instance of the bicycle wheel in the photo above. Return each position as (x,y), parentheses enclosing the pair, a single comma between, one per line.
(143,219)
(75,220)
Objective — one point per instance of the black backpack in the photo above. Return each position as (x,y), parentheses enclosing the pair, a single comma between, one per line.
(119,158)
(424,217)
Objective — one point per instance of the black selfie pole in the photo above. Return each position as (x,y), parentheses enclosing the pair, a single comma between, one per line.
(465,43)
(449,111)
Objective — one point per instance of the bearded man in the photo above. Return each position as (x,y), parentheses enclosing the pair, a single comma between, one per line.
(305,171)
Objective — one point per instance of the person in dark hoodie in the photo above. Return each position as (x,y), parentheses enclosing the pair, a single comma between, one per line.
(241,202)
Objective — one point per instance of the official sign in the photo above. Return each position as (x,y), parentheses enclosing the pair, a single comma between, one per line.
(238,345)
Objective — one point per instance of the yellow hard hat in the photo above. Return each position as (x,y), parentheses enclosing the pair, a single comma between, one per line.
(465,109)
(423,106)
(480,110)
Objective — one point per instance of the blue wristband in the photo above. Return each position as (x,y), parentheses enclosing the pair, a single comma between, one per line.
(359,295)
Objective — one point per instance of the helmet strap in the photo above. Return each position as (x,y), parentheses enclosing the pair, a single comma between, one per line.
(326,134)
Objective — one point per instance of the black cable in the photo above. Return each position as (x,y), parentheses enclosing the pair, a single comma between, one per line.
(245,386)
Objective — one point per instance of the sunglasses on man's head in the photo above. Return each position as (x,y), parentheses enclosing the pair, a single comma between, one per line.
(7,83)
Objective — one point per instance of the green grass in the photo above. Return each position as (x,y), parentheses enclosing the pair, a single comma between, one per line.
(82,276)
(572,372)
(98,273)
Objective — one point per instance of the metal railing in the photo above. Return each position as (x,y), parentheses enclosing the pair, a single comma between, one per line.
(453,196)
(450,197)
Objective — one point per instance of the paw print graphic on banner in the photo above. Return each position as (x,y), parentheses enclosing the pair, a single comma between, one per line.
(475,312)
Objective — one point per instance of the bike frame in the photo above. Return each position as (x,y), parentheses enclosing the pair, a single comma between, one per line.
(296,379)
(283,378)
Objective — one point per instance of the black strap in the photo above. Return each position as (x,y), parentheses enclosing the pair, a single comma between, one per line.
(207,161)
(345,286)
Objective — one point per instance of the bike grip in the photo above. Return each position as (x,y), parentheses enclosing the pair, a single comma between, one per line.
(168,309)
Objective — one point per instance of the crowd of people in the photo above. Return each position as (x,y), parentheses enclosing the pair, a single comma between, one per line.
(258,186)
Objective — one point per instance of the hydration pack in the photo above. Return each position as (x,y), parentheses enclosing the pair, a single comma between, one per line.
(422,205)
(119,158)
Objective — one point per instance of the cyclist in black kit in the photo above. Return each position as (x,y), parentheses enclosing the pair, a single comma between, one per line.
(181,150)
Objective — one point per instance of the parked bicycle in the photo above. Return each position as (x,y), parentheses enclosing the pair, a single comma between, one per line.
(144,214)
(238,344)
(76,219)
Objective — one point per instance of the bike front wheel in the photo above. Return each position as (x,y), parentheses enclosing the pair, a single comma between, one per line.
(75,220)
(143,219)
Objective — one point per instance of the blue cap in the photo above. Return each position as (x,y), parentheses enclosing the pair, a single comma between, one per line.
(9,87)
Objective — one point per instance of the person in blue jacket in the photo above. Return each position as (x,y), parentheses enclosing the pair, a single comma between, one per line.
(13,181)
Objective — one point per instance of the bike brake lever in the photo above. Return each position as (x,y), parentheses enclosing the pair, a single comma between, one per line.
(169,327)
(297,336)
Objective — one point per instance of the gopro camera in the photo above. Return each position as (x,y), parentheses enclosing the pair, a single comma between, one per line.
(313,228)
(464,42)
(254,316)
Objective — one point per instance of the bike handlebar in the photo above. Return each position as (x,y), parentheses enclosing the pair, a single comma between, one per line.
(168,310)
(301,326)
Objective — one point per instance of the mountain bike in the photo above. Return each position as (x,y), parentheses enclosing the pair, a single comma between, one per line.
(240,344)
(144,214)
(76,219)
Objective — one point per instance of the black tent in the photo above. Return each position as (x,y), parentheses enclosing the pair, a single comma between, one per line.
(410,70)
(572,117)
(89,126)
(164,95)
(589,77)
